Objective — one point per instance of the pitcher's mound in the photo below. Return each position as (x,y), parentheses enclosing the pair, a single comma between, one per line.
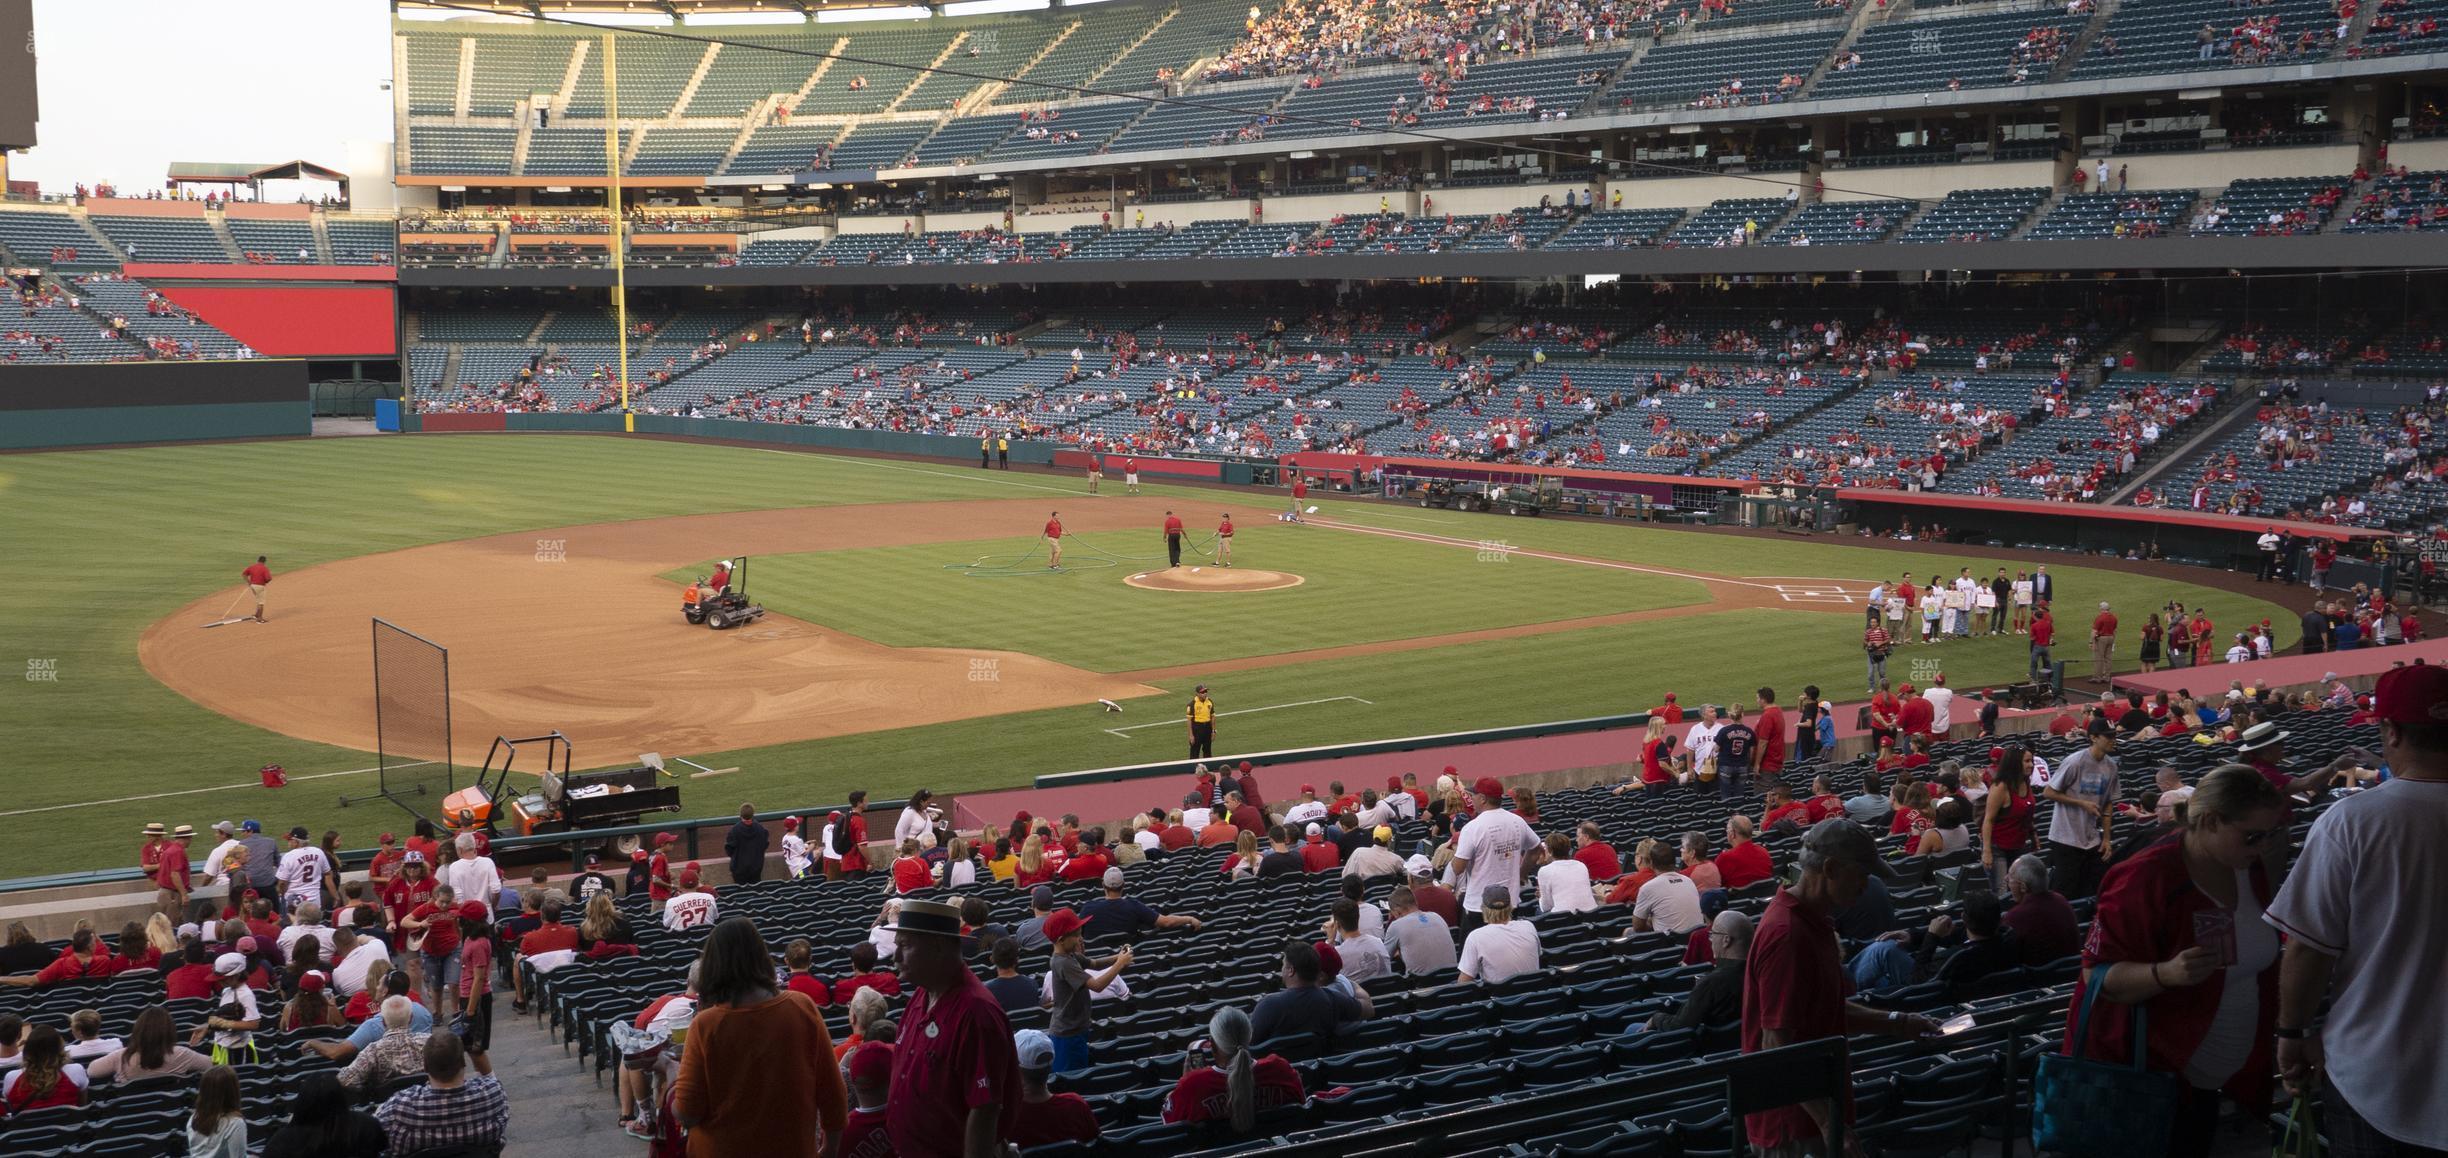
(1213,579)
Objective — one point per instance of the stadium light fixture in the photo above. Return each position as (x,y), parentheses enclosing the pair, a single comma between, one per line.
(982,7)
(855,15)
(713,19)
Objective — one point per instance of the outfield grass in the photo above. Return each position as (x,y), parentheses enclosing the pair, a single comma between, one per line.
(1355,589)
(103,543)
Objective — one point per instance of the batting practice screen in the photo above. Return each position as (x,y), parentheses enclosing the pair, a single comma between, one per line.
(412,731)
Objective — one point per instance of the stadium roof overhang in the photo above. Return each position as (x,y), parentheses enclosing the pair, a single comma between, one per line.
(247,173)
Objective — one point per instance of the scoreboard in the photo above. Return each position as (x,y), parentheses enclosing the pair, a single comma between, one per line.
(16,74)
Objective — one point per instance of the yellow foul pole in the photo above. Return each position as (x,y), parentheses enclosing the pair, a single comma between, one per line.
(620,233)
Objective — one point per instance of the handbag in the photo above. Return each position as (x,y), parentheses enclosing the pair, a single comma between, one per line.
(2081,1106)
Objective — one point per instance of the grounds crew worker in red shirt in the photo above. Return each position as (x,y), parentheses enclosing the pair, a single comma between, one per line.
(1202,725)
(1224,541)
(258,577)
(1053,534)
(2043,630)
(2103,641)
(1300,490)
(1173,538)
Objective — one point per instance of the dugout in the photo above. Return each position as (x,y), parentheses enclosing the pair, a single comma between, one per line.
(2224,541)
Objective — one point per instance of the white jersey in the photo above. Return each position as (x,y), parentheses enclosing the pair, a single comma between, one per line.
(794,854)
(301,874)
(688,911)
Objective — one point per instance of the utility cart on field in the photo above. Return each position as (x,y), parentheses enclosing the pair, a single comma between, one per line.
(559,800)
(727,608)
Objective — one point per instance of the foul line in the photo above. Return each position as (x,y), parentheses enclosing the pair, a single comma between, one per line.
(1479,545)
(1126,730)
(196,791)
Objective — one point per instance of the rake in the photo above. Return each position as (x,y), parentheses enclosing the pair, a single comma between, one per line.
(227,619)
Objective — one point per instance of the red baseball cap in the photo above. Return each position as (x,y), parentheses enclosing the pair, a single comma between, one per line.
(1394,781)
(637,854)
(1245,765)
(666,838)
(690,873)
(386,838)
(1061,923)
(790,822)
(475,910)
(1450,769)
(1669,699)
(1489,786)
(871,1065)
(312,982)
(2416,694)
(1311,789)
(1330,961)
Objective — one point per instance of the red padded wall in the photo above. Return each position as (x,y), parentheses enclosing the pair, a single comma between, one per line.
(299,321)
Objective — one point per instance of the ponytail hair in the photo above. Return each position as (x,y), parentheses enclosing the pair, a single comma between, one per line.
(1229,1030)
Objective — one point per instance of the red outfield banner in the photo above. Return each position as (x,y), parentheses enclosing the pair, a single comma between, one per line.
(346,321)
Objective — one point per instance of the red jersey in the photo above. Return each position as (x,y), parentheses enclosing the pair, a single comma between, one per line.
(911,874)
(258,574)
(855,860)
(402,895)
(1771,731)
(553,938)
(1915,715)
(864,1136)
(1061,1118)
(172,873)
(954,1054)
(1743,864)
(659,878)
(1053,528)
(1173,525)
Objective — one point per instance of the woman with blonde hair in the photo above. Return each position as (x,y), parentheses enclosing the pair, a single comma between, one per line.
(960,868)
(2177,925)
(162,936)
(1244,859)
(603,923)
(1032,870)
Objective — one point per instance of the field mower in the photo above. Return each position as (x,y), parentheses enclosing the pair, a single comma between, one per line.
(729,608)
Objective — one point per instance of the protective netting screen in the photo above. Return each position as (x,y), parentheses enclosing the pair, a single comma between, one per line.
(412,730)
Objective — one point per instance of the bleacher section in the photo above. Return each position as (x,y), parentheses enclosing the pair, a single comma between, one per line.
(1975,215)
(282,242)
(1842,223)
(1616,229)
(2416,201)
(2309,457)
(653,70)
(1081,130)
(1195,31)
(681,152)
(1969,51)
(33,235)
(1725,221)
(2164,36)
(155,239)
(965,139)
(467,149)
(360,241)
(2137,213)
(2273,205)
(1685,73)
(514,66)
(745,73)
(119,298)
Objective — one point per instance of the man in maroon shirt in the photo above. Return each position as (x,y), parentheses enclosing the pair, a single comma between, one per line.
(1794,987)
(258,576)
(956,1075)
(1173,538)
(2103,642)
(1771,729)
(1435,898)
(2043,632)
(1744,860)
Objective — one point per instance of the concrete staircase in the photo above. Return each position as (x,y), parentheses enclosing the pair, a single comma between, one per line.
(322,238)
(220,231)
(1127,49)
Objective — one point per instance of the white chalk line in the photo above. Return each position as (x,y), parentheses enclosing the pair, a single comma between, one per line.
(1127,729)
(990,476)
(198,791)
(1479,545)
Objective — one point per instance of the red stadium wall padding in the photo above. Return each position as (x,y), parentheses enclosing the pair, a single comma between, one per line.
(299,321)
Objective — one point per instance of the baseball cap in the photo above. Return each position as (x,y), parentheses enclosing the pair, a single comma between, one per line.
(1202,687)
(1042,896)
(690,872)
(872,1064)
(2417,694)
(1113,877)
(1489,787)
(1669,699)
(1419,865)
(386,838)
(1310,789)
(414,857)
(1245,765)
(229,965)
(1034,1050)
(666,838)
(1839,839)
(1330,961)
(634,854)
(1394,782)
(313,981)
(252,825)
(1382,834)
(1496,897)
(1061,923)
(593,859)
(298,832)
(474,910)
(1316,833)
(190,929)
(246,945)
(223,826)
(790,822)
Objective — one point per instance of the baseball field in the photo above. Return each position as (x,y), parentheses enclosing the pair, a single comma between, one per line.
(916,635)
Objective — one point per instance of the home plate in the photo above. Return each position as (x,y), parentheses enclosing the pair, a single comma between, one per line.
(1813,593)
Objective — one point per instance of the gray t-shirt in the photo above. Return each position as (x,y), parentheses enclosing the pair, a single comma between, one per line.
(2084,778)
(1070,974)
(1031,934)
(1423,941)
